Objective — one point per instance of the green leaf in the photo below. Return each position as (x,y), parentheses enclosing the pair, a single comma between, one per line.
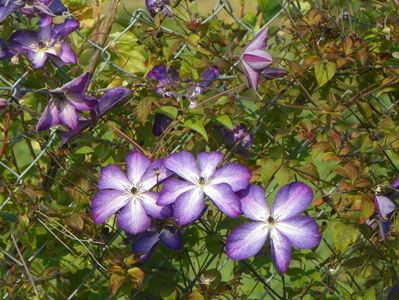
(169,111)
(344,235)
(324,72)
(269,8)
(196,125)
(84,150)
(225,121)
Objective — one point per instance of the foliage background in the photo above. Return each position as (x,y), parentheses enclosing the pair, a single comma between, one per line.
(332,123)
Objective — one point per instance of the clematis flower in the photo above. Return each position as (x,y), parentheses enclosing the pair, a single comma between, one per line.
(167,80)
(255,59)
(161,122)
(274,72)
(156,6)
(130,195)
(283,223)
(207,78)
(44,7)
(65,104)
(105,103)
(202,177)
(49,41)
(239,136)
(144,244)
(385,209)
(7,7)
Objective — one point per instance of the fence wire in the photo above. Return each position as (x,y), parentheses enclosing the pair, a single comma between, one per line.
(25,261)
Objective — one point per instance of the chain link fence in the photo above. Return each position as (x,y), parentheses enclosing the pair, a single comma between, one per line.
(31,275)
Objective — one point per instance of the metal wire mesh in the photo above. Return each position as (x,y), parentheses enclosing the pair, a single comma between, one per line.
(33,274)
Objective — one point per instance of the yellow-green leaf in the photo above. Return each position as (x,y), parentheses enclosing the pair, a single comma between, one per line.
(324,71)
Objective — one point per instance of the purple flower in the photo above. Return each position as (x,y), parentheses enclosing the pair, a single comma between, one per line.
(47,42)
(156,6)
(4,51)
(161,122)
(44,7)
(105,103)
(255,59)
(202,177)
(144,244)
(131,194)
(283,223)
(239,136)
(207,78)
(7,7)
(167,80)
(385,209)
(66,103)
(274,72)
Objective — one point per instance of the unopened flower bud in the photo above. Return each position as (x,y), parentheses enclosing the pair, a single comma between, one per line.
(15,59)
(3,103)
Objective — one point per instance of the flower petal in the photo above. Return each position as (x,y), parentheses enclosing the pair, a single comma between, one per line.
(251,74)
(105,203)
(224,198)
(274,72)
(78,85)
(81,102)
(111,177)
(291,200)
(172,238)
(281,250)
(384,206)
(234,174)
(37,58)
(111,98)
(183,164)
(149,202)
(259,41)
(67,55)
(68,116)
(155,174)
(208,162)
(24,39)
(133,218)
(144,243)
(172,189)
(189,206)
(45,23)
(258,60)
(301,231)
(137,164)
(246,240)
(49,117)
(253,203)
(65,29)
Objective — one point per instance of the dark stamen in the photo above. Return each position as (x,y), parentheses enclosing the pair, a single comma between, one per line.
(133,190)
(270,220)
(201,180)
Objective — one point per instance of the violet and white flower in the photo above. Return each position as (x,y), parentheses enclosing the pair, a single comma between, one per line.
(7,7)
(130,195)
(207,78)
(202,177)
(167,80)
(44,7)
(65,104)
(105,103)
(283,223)
(144,244)
(385,209)
(49,41)
(156,6)
(239,136)
(255,59)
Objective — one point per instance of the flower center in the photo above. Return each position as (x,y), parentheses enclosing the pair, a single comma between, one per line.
(134,190)
(271,221)
(201,180)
